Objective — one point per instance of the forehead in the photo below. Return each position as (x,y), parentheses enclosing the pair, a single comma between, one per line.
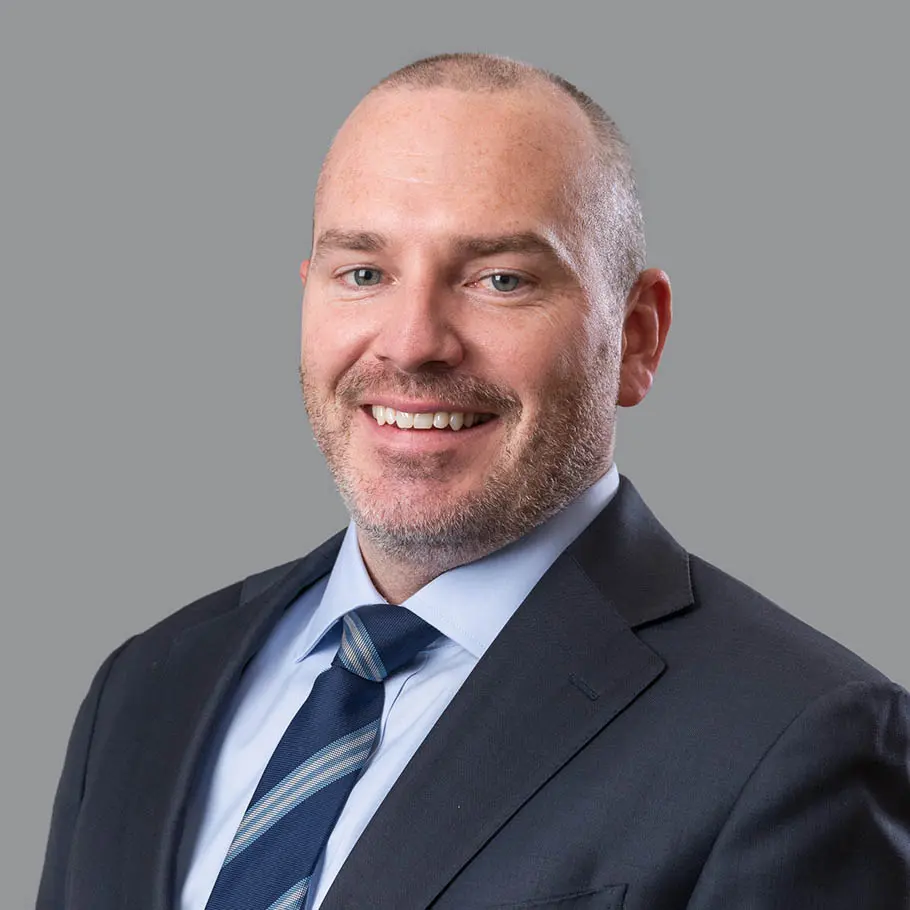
(444,159)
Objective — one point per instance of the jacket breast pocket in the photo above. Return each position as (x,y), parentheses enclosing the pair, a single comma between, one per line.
(610,897)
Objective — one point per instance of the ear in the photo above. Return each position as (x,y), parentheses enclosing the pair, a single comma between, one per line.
(304,270)
(647,321)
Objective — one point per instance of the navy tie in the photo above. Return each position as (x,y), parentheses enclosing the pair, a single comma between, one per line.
(316,763)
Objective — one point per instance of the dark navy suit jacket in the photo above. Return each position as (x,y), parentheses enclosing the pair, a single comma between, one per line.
(646,733)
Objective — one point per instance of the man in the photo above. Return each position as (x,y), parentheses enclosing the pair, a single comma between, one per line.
(506,685)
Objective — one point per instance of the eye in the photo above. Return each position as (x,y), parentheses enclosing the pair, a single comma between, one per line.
(362,278)
(504,282)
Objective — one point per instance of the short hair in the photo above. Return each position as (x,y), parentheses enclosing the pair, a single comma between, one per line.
(621,219)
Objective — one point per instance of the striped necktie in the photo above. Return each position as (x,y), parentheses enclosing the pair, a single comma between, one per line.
(316,763)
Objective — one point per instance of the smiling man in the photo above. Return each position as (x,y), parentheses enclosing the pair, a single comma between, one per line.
(457,287)
(505,684)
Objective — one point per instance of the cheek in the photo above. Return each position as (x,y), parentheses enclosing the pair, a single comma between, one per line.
(540,362)
(312,349)
(328,346)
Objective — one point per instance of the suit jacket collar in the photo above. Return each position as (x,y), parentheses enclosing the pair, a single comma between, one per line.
(638,568)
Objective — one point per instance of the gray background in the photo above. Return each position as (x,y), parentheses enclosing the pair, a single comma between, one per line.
(157,166)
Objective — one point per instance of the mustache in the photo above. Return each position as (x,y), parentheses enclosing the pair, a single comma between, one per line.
(464,391)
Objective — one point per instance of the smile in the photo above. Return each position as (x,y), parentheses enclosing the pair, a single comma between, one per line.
(428,420)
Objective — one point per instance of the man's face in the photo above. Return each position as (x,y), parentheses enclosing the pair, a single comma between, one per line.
(452,275)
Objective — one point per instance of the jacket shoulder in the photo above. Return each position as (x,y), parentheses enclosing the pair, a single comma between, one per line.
(156,639)
(763,639)
(218,602)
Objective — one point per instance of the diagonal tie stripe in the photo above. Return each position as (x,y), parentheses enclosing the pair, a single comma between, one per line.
(292,899)
(358,653)
(306,782)
(325,767)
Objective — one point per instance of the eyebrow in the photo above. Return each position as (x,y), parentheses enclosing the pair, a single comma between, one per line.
(525,242)
(357,241)
(476,247)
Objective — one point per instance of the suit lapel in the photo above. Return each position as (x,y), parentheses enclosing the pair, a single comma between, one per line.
(196,680)
(562,668)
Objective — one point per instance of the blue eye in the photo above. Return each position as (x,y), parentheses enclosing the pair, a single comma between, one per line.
(505,282)
(364,278)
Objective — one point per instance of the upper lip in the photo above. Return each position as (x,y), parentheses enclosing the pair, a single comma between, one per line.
(422,407)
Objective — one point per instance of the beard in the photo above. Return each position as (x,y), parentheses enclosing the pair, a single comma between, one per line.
(539,468)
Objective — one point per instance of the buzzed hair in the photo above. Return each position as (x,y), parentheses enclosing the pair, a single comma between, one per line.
(619,216)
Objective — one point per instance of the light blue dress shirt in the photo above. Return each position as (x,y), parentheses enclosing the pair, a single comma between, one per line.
(469,605)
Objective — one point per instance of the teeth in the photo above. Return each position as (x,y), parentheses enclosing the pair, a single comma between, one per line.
(441,420)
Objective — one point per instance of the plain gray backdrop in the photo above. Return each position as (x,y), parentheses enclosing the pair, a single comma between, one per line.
(158,161)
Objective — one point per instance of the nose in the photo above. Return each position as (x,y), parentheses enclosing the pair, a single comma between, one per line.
(417,333)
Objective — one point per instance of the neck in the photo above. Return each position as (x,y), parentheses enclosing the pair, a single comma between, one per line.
(396,578)
(399,568)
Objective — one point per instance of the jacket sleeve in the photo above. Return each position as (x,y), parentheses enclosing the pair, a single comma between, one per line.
(824,819)
(51,891)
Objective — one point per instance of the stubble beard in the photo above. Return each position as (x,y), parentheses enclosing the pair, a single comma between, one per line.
(535,475)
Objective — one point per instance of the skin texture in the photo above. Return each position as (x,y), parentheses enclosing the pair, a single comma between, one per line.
(421,172)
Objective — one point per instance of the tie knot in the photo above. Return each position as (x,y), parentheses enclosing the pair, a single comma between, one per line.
(379,639)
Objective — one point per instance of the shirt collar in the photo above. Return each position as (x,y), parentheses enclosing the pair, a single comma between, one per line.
(469,604)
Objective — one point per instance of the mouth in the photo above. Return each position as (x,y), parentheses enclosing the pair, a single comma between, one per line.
(439,420)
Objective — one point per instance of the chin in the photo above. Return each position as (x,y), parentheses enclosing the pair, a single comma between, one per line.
(399,519)
(426,521)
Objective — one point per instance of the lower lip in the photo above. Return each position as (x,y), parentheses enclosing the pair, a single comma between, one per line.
(426,440)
